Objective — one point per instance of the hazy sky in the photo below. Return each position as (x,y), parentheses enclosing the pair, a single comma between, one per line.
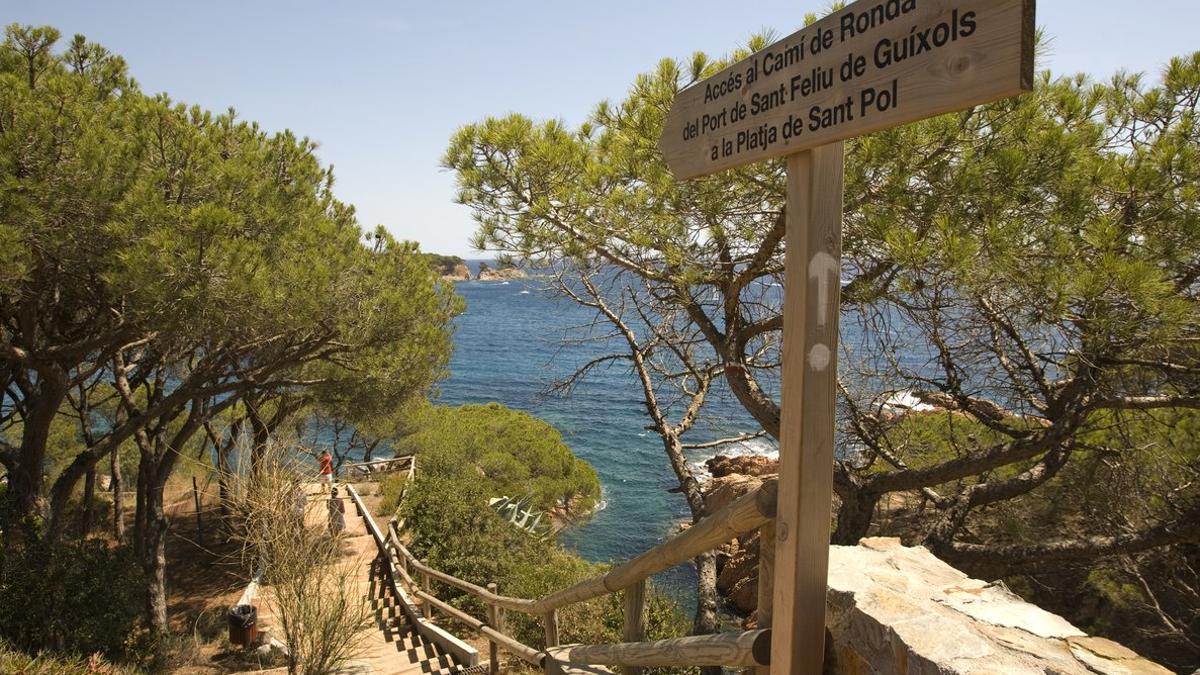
(381,86)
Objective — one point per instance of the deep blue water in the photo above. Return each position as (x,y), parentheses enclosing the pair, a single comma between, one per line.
(515,339)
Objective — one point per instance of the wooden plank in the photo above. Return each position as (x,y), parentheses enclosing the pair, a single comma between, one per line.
(751,648)
(427,588)
(812,296)
(635,618)
(873,65)
(766,581)
(451,611)
(521,651)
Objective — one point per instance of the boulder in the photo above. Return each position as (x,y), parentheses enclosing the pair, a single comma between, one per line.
(894,609)
(746,465)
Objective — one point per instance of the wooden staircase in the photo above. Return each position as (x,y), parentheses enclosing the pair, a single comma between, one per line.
(417,653)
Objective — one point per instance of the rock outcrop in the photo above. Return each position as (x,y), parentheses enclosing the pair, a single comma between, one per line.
(893,609)
(459,272)
(501,274)
(746,465)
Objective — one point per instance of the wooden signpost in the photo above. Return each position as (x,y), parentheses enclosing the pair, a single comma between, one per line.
(872,65)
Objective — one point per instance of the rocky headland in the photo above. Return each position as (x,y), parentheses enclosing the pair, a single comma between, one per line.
(504,273)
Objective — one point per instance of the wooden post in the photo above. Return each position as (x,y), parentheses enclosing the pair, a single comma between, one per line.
(426,607)
(495,620)
(812,298)
(199,521)
(551,620)
(766,581)
(635,618)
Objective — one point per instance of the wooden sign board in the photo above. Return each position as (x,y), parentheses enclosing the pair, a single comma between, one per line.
(873,65)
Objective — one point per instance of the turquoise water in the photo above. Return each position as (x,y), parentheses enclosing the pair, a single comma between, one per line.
(511,343)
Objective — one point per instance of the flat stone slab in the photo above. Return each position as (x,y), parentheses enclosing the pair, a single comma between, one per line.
(895,609)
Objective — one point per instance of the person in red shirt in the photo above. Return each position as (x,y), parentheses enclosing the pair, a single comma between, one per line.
(326,475)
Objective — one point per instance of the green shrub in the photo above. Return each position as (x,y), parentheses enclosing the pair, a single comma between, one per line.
(78,597)
(509,452)
(391,487)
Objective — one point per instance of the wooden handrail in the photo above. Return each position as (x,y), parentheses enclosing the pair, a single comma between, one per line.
(752,648)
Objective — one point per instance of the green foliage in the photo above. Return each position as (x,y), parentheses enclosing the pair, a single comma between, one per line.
(505,451)
(77,597)
(391,488)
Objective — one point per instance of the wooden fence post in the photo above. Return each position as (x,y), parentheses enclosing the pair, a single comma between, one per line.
(427,586)
(766,581)
(811,308)
(495,620)
(551,628)
(635,618)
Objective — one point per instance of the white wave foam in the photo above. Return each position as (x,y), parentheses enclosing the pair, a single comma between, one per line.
(904,401)
(602,503)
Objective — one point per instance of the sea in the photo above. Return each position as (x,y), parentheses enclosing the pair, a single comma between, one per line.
(513,342)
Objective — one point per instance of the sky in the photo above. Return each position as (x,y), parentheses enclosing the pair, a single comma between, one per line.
(381,86)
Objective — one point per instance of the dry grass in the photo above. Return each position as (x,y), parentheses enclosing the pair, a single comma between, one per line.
(320,611)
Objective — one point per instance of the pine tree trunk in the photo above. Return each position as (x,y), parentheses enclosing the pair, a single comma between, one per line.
(118,505)
(24,493)
(854,518)
(89,501)
(140,521)
(154,565)
(152,542)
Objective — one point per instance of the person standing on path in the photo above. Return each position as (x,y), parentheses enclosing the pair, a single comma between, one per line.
(326,463)
(337,514)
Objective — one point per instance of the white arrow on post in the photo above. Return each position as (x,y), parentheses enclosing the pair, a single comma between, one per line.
(821,268)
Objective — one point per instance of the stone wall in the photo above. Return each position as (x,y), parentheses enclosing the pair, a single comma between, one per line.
(900,610)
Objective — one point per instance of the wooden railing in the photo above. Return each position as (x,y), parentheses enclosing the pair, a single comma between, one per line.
(755,511)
